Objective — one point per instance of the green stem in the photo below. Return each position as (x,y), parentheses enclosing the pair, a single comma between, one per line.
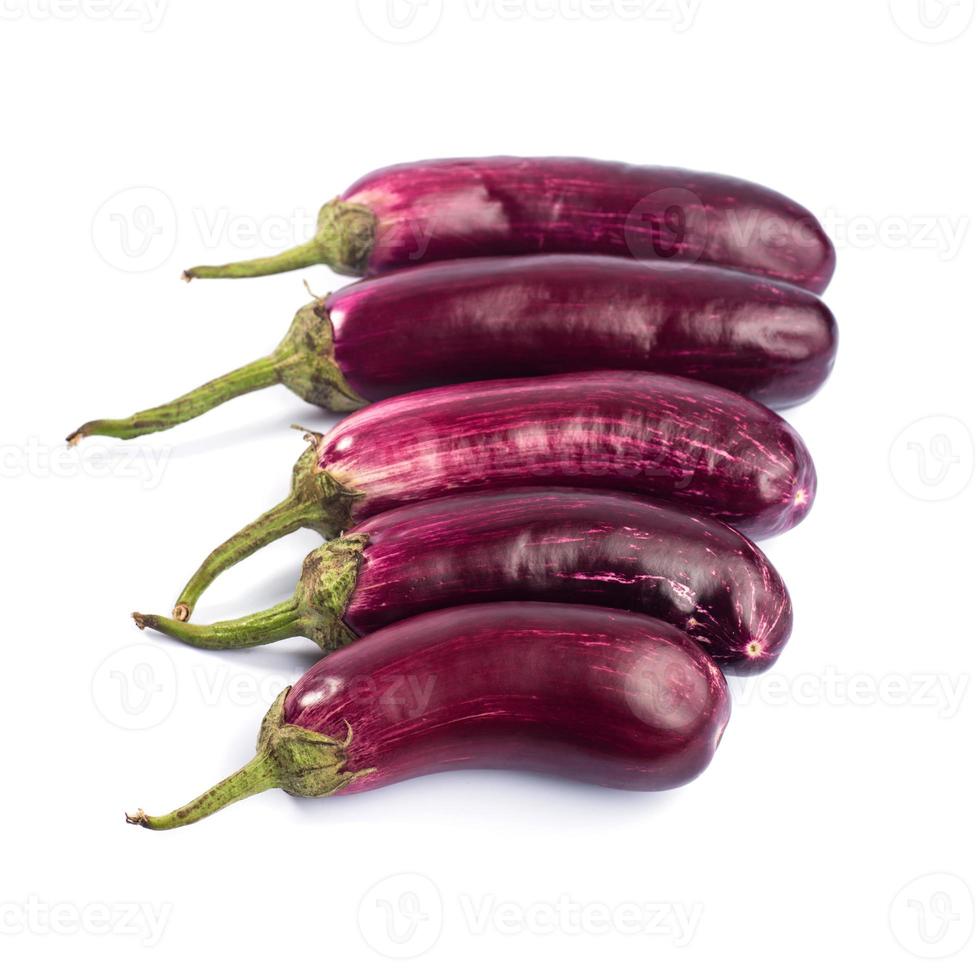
(345,234)
(260,774)
(259,374)
(290,515)
(301,761)
(281,622)
(300,257)
(316,610)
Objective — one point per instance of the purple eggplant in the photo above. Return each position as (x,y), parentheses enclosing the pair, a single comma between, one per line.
(586,693)
(652,434)
(508,318)
(553,545)
(459,209)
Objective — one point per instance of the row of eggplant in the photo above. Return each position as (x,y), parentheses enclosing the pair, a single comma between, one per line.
(538,517)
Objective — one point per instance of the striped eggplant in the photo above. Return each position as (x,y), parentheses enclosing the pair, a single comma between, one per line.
(507,318)
(652,434)
(466,208)
(554,545)
(586,693)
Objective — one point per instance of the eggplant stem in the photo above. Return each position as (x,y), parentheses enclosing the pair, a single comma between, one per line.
(314,296)
(299,760)
(290,515)
(316,501)
(299,257)
(316,610)
(256,776)
(303,362)
(310,435)
(280,622)
(262,373)
(345,235)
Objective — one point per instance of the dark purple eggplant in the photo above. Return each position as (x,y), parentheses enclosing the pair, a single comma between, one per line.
(660,436)
(479,319)
(459,209)
(592,694)
(553,545)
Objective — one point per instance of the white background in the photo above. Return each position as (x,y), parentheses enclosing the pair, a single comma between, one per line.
(837,828)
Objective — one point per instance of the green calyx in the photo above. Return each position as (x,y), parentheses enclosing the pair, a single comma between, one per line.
(345,234)
(303,362)
(317,501)
(325,587)
(306,364)
(297,760)
(316,610)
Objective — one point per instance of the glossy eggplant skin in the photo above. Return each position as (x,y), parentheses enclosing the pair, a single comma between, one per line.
(661,436)
(479,319)
(542,545)
(452,322)
(575,546)
(605,696)
(465,208)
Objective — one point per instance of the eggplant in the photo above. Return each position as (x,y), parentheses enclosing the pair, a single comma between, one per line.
(551,545)
(661,436)
(598,695)
(436,210)
(481,319)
